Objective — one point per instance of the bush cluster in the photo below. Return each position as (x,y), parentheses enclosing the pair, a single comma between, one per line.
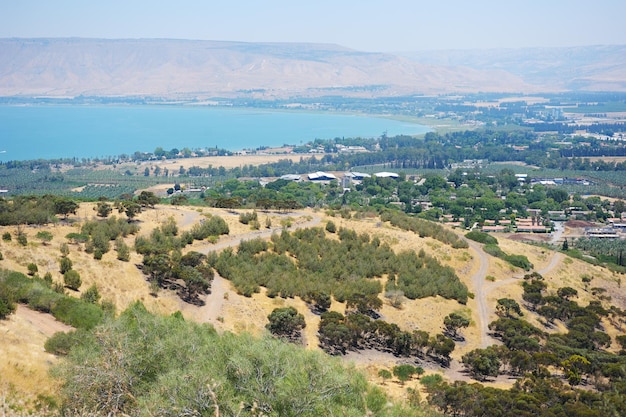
(424,228)
(520,261)
(167,366)
(39,295)
(481,237)
(34,209)
(101,232)
(167,267)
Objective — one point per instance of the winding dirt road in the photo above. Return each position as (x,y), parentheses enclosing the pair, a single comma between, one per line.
(212,309)
(482,288)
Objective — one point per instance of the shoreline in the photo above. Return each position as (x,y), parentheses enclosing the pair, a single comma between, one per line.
(232,129)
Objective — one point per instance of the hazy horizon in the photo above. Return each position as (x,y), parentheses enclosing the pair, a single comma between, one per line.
(375,26)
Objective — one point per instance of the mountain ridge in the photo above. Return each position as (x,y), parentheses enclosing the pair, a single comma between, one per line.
(196,69)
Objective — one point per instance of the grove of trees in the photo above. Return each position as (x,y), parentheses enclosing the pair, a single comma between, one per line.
(307,264)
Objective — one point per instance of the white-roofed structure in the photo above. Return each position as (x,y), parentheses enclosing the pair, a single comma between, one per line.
(321,176)
(386,175)
(291,177)
(357,175)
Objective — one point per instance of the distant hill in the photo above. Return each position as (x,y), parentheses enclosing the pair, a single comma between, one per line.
(584,68)
(204,69)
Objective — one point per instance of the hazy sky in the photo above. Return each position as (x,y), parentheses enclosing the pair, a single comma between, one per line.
(367,25)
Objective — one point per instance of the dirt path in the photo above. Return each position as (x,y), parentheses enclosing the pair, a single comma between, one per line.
(482,288)
(44,323)
(212,310)
(554,262)
(478,281)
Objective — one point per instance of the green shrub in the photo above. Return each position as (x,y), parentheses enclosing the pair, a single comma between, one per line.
(91,295)
(42,298)
(44,236)
(163,365)
(61,343)
(22,239)
(404,372)
(424,228)
(431,380)
(15,286)
(65,264)
(32,269)
(72,280)
(520,261)
(76,238)
(494,250)
(6,236)
(482,237)
(123,251)
(77,313)
(7,306)
(246,218)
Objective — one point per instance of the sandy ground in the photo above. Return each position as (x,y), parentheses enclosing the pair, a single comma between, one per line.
(227,162)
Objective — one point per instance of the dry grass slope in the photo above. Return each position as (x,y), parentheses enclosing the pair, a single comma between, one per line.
(24,364)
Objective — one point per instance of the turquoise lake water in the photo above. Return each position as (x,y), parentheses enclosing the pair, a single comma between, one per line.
(33,132)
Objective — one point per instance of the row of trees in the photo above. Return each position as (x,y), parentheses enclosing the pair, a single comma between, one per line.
(355,331)
(424,228)
(34,209)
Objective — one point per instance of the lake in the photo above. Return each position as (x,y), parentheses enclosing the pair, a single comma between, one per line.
(48,131)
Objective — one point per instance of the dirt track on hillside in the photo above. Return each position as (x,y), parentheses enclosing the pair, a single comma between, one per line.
(44,323)
(212,310)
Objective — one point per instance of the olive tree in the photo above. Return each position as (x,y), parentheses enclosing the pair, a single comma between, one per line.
(286,322)
(453,322)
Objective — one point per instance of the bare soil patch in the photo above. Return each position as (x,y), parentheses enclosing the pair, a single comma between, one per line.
(227,162)
(577,224)
(529,237)
(41,322)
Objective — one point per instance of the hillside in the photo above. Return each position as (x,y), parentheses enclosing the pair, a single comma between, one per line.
(186,69)
(124,283)
(588,68)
